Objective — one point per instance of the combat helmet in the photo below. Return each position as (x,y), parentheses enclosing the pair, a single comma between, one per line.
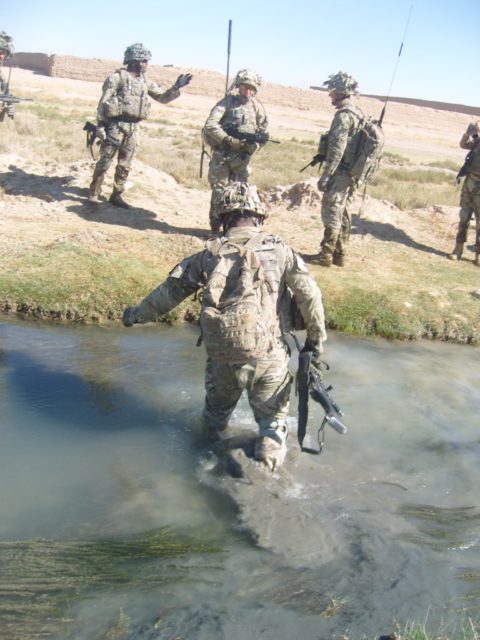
(240,196)
(136,52)
(341,82)
(6,45)
(248,76)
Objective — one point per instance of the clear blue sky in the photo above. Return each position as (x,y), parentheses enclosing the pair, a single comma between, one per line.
(293,42)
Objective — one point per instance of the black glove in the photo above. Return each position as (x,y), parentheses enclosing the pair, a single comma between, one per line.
(129,317)
(316,349)
(182,80)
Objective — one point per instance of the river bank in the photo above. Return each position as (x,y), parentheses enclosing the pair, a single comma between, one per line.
(66,260)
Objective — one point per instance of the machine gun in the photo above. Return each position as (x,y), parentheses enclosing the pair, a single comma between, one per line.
(309,383)
(7,98)
(91,130)
(261,137)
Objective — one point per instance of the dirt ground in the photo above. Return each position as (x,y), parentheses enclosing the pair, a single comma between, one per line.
(42,204)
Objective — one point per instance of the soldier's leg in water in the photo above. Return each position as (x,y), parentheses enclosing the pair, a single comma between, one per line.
(222,394)
(333,206)
(126,154)
(218,178)
(344,235)
(269,397)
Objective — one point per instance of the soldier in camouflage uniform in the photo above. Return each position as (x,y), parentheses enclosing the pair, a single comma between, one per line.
(337,185)
(6,51)
(266,378)
(470,195)
(124,103)
(230,157)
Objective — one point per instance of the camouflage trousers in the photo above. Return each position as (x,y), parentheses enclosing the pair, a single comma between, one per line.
(225,167)
(337,213)
(122,141)
(469,207)
(267,385)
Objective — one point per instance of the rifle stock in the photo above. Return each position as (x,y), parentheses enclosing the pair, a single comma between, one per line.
(310,383)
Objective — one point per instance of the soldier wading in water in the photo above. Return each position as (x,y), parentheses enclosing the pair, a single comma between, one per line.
(248,277)
(124,103)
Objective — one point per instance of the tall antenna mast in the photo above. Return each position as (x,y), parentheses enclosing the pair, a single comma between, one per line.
(396,66)
(228,53)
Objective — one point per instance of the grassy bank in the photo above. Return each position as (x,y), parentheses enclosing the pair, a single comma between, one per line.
(397,288)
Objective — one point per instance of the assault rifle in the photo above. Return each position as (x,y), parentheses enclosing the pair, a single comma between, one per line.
(309,383)
(7,98)
(91,130)
(262,137)
(465,168)
(317,159)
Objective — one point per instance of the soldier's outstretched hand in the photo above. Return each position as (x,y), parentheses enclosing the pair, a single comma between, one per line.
(182,80)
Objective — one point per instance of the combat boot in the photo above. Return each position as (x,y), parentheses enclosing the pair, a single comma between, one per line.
(95,189)
(117,200)
(339,259)
(324,259)
(476,260)
(457,252)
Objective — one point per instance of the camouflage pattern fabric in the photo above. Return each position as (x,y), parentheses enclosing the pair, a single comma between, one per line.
(470,194)
(125,95)
(122,140)
(267,380)
(338,197)
(228,165)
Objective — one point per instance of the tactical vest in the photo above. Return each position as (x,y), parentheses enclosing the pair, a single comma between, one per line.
(242,117)
(131,101)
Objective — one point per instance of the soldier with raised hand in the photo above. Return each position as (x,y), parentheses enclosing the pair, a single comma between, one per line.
(337,185)
(6,51)
(124,103)
(250,275)
(240,111)
(470,194)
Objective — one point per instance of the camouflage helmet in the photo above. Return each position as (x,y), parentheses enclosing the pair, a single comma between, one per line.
(341,82)
(6,44)
(240,196)
(136,52)
(248,76)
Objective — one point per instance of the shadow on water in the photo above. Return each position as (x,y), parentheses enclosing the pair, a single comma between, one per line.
(82,402)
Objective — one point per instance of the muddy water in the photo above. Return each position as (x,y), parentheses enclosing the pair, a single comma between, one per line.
(99,440)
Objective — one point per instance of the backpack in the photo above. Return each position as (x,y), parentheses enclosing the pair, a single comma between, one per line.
(234,319)
(369,150)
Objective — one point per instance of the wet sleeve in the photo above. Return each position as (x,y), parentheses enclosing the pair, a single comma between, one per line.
(308,297)
(213,129)
(337,140)
(156,92)
(183,280)
(109,89)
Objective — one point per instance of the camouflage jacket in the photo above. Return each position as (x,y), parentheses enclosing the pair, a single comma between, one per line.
(247,116)
(472,144)
(343,136)
(284,271)
(125,97)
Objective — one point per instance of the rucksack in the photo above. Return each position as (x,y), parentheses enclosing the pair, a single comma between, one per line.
(235,317)
(369,150)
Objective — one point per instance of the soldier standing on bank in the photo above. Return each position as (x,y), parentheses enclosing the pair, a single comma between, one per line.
(337,185)
(124,103)
(239,112)
(470,194)
(6,51)
(249,351)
